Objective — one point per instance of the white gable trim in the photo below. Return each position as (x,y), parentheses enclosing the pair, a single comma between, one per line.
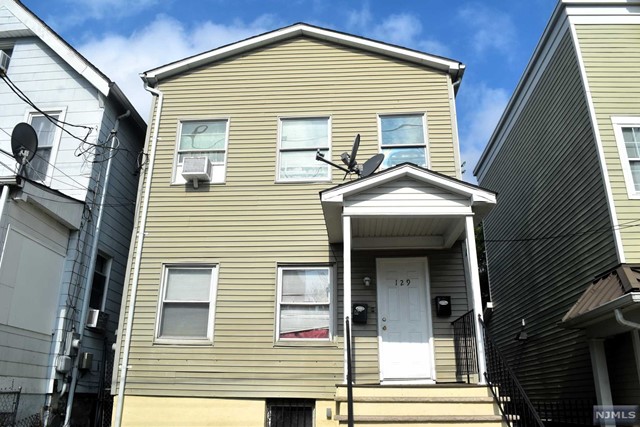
(338,194)
(61,48)
(447,65)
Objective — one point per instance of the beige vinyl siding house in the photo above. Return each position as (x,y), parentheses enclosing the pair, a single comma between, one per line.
(262,225)
(566,219)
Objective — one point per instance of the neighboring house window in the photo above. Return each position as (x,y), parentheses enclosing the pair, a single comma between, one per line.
(41,166)
(187,303)
(627,131)
(403,138)
(304,303)
(300,139)
(203,138)
(100,283)
(6,58)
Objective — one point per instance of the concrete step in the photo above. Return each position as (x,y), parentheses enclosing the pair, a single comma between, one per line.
(436,390)
(433,405)
(420,407)
(423,421)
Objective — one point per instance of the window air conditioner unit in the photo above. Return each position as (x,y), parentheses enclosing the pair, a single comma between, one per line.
(4,62)
(97,320)
(196,169)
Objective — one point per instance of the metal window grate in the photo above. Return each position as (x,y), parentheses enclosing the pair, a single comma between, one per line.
(290,413)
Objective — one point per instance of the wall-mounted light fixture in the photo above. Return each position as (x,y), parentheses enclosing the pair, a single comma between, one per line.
(522,335)
(367,281)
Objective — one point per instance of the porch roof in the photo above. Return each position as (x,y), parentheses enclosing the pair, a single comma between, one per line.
(594,310)
(404,206)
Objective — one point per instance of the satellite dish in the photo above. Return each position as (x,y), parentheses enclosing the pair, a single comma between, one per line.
(371,165)
(354,150)
(24,143)
(349,160)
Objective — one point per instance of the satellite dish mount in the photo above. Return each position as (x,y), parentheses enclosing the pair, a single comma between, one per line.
(350,162)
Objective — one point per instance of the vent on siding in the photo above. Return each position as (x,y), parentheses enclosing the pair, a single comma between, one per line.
(290,412)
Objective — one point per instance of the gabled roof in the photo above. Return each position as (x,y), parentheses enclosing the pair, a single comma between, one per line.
(454,68)
(34,26)
(476,194)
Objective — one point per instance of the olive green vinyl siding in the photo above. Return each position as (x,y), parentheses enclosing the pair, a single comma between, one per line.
(611,56)
(251,224)
(550,232)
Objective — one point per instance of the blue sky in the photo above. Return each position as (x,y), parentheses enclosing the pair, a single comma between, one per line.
(493,38)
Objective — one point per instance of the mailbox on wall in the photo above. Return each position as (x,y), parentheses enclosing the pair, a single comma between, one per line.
(359,313)
(443,306)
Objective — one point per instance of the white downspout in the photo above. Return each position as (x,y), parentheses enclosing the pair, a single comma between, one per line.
(3,200)
(624,322)
(89,278)
(346,297)
(136,270)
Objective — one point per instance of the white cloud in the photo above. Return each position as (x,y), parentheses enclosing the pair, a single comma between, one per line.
(123,57)
(484,106)
(402,29)
(491,30)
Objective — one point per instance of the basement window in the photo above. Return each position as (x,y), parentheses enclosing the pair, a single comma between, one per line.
(290,413)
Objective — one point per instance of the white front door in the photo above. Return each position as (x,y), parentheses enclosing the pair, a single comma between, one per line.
(404,320)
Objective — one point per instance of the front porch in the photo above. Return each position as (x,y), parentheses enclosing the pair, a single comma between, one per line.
(407,237)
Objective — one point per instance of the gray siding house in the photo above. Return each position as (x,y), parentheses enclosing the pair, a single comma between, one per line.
(563,244)
(65,220)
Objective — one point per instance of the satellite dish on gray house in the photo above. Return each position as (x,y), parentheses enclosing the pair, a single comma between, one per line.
(371,165)
(24,143)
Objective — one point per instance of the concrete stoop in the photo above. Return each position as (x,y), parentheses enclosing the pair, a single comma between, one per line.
(416,406)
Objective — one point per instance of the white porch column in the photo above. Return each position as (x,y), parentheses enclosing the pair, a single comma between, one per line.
(601,375)
(346,277)
(475,295)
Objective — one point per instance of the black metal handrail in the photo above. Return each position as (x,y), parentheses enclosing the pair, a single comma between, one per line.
(347,343)
(514,404)
(464,340)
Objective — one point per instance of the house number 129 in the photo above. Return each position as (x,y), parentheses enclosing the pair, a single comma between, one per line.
(403,282)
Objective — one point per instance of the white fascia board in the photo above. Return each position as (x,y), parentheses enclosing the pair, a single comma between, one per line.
(475,194)
(450,66)
(61,48)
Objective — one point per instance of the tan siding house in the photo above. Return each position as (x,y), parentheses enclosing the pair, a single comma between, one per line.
(241,283)
(563,244)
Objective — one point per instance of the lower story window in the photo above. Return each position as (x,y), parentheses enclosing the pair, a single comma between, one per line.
(186,306)
(290,412)
(304,303)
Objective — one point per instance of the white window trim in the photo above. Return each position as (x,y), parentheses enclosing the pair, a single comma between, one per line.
(332,303)
(62,113)
(107,278)
(424,130)
(328,178)
(618,123)
(212,305)
(176,177)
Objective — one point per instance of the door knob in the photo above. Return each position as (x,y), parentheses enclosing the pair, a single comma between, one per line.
(384,328)
(384,319)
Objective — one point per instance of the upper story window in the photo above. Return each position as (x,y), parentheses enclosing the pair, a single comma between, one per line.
(627,131)
(187,304)
(41,166)
(203,138)
(300,139)
(5,57)
(304,303)
(100,283)
(403,138)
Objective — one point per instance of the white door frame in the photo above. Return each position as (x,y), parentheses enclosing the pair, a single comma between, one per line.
(428,326)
